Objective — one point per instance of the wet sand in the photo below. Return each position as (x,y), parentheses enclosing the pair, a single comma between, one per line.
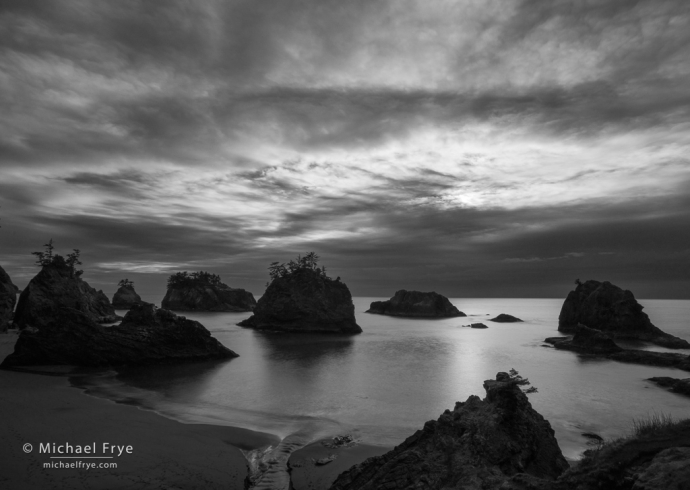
(37,409)
(306,475)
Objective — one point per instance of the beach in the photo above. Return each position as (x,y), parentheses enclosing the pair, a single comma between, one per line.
(44,409)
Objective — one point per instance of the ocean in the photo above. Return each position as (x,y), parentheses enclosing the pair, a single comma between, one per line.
(383,384)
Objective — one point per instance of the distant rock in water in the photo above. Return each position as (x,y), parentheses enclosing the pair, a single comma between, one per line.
(305,301)
(126,297)
(8,298)
(615,312)
(478,325)
(55,287)
(416,304)
(676,385)
(201,291)
(480,444)
(505,318)
(147,335)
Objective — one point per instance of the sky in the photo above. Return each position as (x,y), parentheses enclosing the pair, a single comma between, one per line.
(484,148)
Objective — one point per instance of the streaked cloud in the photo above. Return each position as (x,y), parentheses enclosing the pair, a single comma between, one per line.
(443,142)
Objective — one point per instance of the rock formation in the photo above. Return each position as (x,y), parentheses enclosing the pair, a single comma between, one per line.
(147,335)
(615,312)
(416,304)
(505,318)
(589,341)
(126,297)
(54,287)
(478,325)
(8,298)
(480,444)
(658,459)
(601,346)
(305,301)
(675,385)
(205,292)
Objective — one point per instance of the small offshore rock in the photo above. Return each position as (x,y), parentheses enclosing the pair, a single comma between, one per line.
(416,304)
(505,318)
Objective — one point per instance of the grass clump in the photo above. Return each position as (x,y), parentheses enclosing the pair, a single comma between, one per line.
(652,423)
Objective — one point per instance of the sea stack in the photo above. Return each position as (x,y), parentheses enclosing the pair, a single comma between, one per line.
(416,304)
(125,297)
(147,335)
(614,311)
(56,286)
(8,298)
(203,291)
(479,444)
(303,299)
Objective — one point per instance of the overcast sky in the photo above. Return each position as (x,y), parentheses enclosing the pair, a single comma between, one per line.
(475,148)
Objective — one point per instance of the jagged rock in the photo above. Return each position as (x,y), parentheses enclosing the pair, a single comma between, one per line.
(200,296)
(416,304)
(125,297)
(305,301)
(8,298)
(505,318)
(147,335)
(589,341)
(55,287)
(480,444)
(681,386)
(614,311)
(670,469)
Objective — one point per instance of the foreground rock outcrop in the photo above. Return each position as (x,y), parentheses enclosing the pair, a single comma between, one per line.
(8,298)
(147,335)
(416,304)
(125,297)
(480,444)
(505,318)
(56,287)
(655,459)
(205,292)
(614,311)
(305,301)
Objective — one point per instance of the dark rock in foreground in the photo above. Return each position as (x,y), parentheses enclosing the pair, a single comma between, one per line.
(478,325)
(208,297)
(125,297)
(147,335)
(480,444)
(305,301)
(681,386)
(614,311)
(658,459)
(8,298)
(416,304)
(505,318)
(598,347)
(56,287)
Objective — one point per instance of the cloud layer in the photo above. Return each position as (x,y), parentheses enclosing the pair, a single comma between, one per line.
(477,148)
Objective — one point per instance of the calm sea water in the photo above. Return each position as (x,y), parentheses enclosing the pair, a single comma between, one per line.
(384,384)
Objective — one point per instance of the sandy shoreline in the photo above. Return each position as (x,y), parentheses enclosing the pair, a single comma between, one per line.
(39,409)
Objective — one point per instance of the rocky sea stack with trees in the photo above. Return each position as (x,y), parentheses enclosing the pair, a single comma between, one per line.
(59,285)
(302,298)
(203,291)
(8,298)
(614,311)
(125,297)
(416,304)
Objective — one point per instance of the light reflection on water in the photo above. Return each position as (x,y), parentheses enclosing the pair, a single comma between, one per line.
(386,382)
